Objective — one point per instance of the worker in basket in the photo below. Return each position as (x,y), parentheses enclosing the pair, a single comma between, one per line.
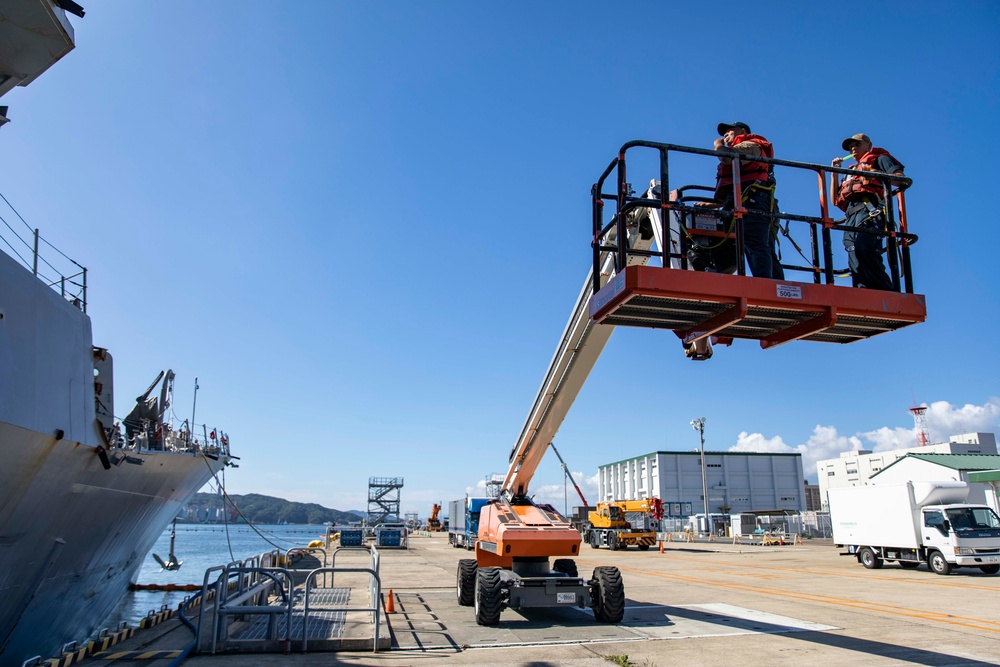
(862,199)
(757,186)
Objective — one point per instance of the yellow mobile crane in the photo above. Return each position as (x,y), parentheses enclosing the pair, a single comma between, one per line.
(613,524)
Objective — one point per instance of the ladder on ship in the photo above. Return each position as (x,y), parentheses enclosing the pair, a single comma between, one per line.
(695,305)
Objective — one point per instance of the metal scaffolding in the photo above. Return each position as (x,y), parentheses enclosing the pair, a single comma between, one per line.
(383,499)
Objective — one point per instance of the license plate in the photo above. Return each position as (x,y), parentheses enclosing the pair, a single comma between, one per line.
(992,559)
(565,598)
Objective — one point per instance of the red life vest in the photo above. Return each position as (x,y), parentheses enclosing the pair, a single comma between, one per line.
(857,187)
(750,172)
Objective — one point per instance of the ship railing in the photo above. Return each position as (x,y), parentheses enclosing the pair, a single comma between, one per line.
(57,270)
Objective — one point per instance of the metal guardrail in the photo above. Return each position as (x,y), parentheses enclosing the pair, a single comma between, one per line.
(822,269)
(70,282)
(246,588)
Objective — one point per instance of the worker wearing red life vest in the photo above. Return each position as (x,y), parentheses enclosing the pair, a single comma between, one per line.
(757,194)
(862,199)
(756,185)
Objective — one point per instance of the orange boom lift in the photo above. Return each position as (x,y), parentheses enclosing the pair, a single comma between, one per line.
(633,284)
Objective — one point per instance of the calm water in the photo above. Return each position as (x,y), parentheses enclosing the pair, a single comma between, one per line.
(200,547)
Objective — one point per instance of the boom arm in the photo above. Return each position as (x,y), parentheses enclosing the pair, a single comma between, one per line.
(581,344)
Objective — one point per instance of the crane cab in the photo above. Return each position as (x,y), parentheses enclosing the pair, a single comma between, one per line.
(635,285)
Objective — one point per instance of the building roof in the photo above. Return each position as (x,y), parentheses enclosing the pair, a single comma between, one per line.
(964,462)
(985,476)
(707,453)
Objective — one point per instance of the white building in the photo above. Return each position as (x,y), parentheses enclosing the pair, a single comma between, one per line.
(855,468)
(736,481)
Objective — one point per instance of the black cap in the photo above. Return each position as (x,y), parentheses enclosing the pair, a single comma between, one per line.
(725,127)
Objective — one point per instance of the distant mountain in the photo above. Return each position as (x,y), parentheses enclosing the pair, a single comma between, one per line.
(265,509)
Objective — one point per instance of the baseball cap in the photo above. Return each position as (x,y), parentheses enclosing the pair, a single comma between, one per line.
(846,145)
(725,127)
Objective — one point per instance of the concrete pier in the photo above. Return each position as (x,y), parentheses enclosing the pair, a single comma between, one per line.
(696,603)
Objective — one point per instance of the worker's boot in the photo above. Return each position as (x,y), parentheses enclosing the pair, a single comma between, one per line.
(700,350)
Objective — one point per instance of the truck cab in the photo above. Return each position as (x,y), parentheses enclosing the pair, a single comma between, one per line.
(965,536)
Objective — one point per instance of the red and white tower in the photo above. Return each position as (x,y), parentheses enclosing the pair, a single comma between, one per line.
(920,424)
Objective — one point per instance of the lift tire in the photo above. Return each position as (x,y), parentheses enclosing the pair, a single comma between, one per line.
(869,558)
(909,564)
(643,547)
(607,594)
(938,564)
(613,543)
(489,596)
(567,566)
(594,538)
(990,569)
(465,585)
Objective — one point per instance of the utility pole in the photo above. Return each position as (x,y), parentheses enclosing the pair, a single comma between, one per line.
(699,425)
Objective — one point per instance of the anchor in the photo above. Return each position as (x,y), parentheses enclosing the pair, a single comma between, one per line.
(171,563)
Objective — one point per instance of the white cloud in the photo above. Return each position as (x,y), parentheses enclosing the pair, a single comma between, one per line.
(943,421)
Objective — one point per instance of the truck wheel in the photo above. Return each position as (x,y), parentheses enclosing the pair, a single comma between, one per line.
(990,569)
(466,584)
(595,539)
(489,596)
(643,547)
(613,542)
(938,564)
(869,559)
(567,566)
(607,594)
(909,564)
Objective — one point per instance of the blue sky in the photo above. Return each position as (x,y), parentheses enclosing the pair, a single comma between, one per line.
(362,226)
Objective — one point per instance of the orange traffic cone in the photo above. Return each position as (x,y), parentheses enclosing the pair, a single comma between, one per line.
(661,546)
(390,607)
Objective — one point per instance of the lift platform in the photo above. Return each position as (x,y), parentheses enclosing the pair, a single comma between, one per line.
(696,305)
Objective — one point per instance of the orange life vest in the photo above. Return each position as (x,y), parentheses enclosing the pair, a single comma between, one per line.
(750,172)
(857,187)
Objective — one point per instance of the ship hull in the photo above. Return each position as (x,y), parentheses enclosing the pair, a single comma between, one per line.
(74,534)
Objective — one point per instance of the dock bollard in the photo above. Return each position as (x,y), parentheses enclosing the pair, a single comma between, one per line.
(390,607)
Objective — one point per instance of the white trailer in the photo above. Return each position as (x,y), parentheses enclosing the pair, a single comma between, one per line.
(914,523)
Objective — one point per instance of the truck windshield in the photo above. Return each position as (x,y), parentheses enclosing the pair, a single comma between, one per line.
(973,518)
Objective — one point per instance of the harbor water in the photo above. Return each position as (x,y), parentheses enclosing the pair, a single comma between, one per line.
(199,547)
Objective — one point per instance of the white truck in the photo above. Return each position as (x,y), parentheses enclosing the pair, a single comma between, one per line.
(914,523)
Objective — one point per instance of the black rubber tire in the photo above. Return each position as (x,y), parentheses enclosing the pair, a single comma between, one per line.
(613,542)
(567,566)
(938,564)
(489,596)
(607,594)
(909,564)
(594,538)
(990,569)
(465,586)
(643,547)
(869,559)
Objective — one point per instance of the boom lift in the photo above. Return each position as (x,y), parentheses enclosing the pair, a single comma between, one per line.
(433,522)
(517,537)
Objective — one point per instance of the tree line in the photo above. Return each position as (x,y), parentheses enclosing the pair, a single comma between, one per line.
(257,508)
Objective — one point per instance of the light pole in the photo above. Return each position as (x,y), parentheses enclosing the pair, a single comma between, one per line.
(699,425)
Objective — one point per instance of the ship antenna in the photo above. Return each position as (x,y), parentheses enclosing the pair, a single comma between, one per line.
(193,408)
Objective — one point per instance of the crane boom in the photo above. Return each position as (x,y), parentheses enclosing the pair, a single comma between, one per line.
(566,470)
(580,345)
